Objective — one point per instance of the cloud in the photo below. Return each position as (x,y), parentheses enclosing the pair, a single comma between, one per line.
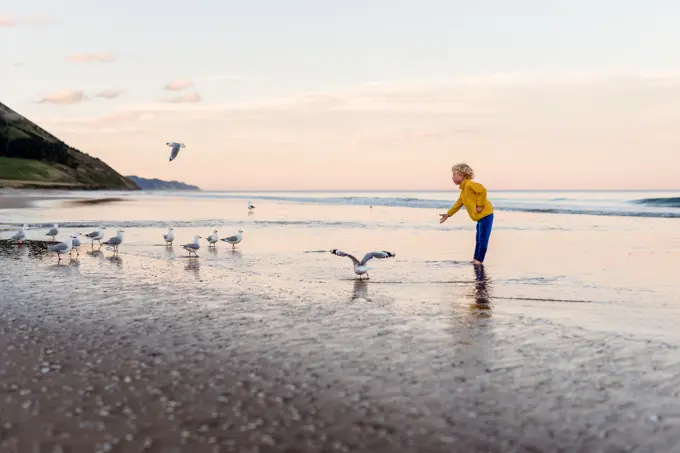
(178,85)
(184,98)
(39,21)
(223,77)
(109,94)
(7,21)
(33,21)
(104,57)
(68,97)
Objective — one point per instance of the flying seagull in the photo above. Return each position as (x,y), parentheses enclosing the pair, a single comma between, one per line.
(360,266)
(175,149)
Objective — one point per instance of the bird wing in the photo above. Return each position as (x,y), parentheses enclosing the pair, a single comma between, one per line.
(59,247)
(94,234)
(380,255)
(341,253)
(230,239)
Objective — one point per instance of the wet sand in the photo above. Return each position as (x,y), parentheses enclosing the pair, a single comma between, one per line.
(131,353)
(25,199)
(14,202)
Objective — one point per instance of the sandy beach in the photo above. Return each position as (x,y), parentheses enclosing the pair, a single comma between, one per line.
(566,341)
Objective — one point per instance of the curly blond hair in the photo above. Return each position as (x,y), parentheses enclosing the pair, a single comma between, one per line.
(464,169)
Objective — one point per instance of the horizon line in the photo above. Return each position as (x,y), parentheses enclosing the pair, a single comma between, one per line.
(433,190)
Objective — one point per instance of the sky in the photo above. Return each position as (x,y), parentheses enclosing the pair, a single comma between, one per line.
(356,95)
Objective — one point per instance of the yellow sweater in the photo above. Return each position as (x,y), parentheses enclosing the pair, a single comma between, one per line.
(472,194)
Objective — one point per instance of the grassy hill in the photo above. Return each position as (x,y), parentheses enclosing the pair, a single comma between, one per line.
(32,157)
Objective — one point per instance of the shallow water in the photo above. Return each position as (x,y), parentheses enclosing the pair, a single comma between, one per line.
(605,273)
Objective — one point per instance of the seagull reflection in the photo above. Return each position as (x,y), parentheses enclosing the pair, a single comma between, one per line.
(115,259)
(360,289)
(193,266)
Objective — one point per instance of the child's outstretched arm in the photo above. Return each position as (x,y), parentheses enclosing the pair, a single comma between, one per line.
(455,208)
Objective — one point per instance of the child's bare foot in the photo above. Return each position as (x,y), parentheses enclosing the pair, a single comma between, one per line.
(476,262)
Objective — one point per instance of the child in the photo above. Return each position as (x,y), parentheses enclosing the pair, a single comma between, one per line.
(473,197)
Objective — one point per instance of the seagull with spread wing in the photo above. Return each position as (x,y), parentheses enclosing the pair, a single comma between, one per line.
(360,267)
(174,149)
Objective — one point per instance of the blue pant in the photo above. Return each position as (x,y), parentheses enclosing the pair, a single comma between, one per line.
(483,233)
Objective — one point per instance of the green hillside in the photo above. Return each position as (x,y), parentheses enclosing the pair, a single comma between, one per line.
(32,157)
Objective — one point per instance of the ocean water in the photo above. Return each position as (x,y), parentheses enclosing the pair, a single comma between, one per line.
(606,260)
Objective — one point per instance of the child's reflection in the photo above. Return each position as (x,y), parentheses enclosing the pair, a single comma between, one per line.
(482,305)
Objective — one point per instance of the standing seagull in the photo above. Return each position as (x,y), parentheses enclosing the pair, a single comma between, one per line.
(233,240)
(169,236)
(213,238)
(175,149)
(20,235)
(96,235)
(250,206)
(62,247)
(53,232)
(116,240)
(193,247)
(75,244)
(360,266)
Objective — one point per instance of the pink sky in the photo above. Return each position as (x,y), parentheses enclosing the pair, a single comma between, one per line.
(518,131)
(356,95)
